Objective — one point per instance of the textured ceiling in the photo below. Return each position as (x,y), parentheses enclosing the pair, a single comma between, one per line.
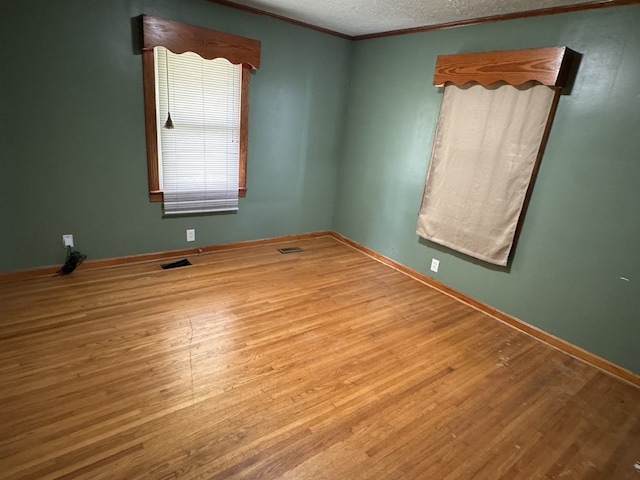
(364,17)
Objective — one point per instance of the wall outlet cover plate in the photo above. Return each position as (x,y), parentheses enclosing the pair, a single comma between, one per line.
(435,264)
(67,240)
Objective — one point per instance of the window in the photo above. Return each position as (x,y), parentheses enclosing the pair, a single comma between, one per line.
(200,78)
(198,125)
(485,152)
(494,121)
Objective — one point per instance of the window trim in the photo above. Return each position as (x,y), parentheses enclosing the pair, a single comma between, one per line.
(209,44)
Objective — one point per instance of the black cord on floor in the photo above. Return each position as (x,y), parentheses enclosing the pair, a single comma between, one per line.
(74,259)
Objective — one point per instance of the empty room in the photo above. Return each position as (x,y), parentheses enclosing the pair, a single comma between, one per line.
(268,239)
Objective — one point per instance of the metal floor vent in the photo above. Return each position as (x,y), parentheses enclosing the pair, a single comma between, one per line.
(290,250)
(180,263)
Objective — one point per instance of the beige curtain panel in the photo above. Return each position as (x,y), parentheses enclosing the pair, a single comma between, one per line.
(485,150)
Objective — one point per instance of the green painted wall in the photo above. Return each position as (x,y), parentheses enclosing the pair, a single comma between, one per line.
(581,236)
(73,142)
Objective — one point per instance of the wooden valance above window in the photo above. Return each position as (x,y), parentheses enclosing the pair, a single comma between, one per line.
(209,44)
(548,66)
(494,122)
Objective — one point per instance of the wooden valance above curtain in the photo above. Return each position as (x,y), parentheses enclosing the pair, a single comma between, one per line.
(494,121)
(548,66)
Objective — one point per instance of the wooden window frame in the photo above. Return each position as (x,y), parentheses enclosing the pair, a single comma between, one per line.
(209,44)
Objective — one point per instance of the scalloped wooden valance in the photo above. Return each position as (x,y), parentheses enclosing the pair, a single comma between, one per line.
(549,66)
(209,44)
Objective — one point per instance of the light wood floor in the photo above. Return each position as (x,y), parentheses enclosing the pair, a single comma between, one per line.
(319,365)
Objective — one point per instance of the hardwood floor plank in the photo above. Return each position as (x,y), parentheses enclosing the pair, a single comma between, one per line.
(320,364)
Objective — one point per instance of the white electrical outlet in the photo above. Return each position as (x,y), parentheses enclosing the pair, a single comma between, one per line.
(435,264)
(191,235)
(67,240)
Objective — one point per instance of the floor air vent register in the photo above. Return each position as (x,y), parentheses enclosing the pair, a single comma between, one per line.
(290,250)
(185,262)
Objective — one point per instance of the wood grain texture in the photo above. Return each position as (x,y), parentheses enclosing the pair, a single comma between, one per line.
(551,340)
(548,66)
(324,364)
(244,131)
(209,44)
(157,256)
(151,126)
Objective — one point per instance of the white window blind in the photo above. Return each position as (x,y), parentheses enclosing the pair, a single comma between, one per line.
(199,157)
